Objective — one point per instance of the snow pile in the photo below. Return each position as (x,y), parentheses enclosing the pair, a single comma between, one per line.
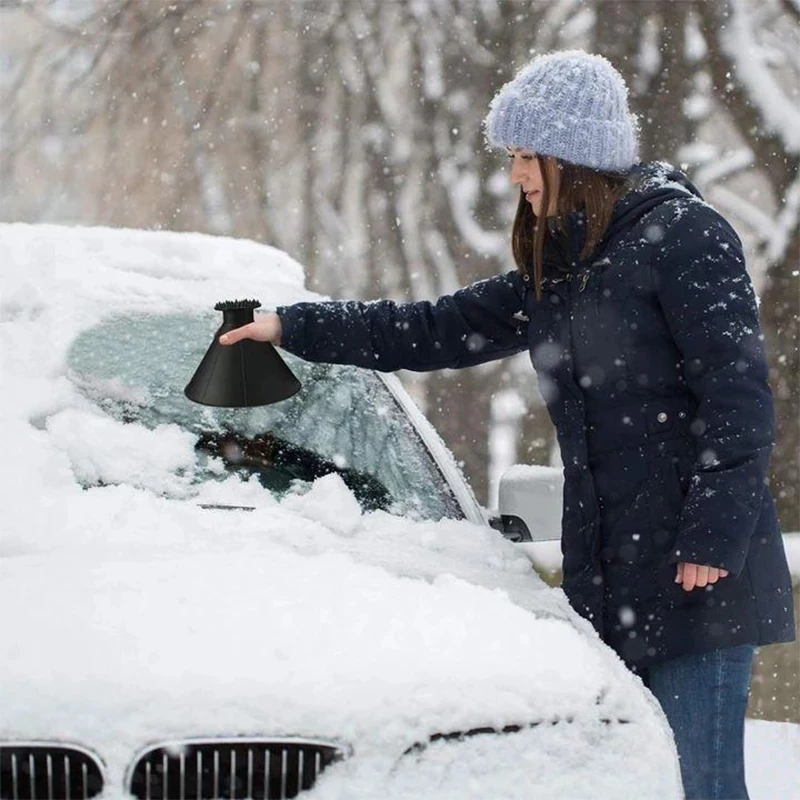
(139,617)
(101,450)
(330,503)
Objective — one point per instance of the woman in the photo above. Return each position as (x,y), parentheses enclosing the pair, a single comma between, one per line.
(632,297)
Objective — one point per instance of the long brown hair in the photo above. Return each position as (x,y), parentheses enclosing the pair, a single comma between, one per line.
(579,188)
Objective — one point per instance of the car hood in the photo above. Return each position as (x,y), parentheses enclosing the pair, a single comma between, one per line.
(146,618)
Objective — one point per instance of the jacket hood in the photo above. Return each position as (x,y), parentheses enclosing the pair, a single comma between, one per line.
(649,184)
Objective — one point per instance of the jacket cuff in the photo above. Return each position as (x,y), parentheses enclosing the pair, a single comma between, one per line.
(717,523)
(292,326)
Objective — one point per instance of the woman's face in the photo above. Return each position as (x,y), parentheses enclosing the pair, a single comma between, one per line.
(526,174)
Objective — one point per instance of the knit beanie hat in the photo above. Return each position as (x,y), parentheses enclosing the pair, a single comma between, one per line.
(571,105)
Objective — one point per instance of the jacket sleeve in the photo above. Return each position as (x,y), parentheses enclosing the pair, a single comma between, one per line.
(474,325)
(710,307)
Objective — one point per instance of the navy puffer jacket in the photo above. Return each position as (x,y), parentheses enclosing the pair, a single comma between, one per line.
(651,361)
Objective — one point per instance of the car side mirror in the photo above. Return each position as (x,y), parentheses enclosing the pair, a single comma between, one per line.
(529,503)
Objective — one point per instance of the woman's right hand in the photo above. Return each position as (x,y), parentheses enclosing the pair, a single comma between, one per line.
(265,328)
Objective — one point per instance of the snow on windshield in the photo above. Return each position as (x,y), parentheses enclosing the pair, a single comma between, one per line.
(134,367)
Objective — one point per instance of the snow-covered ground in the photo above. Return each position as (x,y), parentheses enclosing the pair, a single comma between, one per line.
(772,760)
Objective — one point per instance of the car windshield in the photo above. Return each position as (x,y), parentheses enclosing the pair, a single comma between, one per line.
(343,419)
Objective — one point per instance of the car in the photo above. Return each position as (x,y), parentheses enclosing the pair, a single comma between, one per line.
(302,598)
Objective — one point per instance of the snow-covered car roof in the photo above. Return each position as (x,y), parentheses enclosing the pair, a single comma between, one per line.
(134,618)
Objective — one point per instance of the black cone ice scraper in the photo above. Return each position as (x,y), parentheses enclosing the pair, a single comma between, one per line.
(247,373)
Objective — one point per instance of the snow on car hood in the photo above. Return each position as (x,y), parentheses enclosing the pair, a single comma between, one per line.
(132,618)
(161,619)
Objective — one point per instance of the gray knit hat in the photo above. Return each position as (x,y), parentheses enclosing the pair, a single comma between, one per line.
(571,105)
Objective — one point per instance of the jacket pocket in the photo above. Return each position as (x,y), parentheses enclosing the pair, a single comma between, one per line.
(666,505)
(627,528)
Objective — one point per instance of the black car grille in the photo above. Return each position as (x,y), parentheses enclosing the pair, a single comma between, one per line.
(261,770)
(48,772)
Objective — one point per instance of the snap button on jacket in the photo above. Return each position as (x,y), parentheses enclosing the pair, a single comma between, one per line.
(650,359)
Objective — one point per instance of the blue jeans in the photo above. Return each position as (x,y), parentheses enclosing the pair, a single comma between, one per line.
(704,697)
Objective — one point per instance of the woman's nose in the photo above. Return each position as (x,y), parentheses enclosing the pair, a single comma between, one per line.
(517,173)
